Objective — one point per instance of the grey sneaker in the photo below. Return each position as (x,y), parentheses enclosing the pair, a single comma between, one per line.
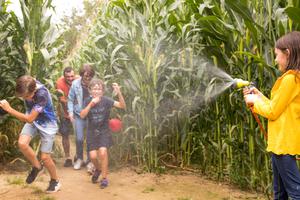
(54,186)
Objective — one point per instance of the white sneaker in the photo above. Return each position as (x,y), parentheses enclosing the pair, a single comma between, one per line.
(90,168)
(78,164)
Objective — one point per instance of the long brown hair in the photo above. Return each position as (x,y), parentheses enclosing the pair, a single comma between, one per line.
(291,42)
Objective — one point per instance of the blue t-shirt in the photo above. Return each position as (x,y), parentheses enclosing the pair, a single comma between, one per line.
(98,116)
(42,103)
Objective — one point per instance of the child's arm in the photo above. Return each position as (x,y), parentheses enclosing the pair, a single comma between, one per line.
(29,118)
(70,103)
(121,103)
(84,112)
(272,108)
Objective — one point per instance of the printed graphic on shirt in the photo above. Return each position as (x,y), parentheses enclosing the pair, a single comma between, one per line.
(99,115)
(42,103)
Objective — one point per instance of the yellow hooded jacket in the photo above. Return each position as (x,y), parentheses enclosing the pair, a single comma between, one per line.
(283,114)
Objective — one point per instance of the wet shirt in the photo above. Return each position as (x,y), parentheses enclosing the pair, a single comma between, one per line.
(99,115)
(42,103)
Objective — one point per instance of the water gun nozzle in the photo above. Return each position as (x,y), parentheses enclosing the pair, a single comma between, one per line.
(240,83)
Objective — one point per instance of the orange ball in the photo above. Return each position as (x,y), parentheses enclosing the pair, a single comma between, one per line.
(115,125)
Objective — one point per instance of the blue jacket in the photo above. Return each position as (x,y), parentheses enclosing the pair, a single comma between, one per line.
(75,98)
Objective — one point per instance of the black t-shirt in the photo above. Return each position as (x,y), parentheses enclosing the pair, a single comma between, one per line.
(99,114)
(85,93)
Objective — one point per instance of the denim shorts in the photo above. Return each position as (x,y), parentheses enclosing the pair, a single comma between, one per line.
(47,133)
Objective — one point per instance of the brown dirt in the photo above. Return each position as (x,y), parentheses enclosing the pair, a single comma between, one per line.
(124,184)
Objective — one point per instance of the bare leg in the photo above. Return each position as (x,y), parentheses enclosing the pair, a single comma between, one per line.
(94,159)
(27,151)
(66,146)
(49,164)
(103,155)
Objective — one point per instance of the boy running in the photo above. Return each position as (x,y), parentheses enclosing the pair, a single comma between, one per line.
(40,120)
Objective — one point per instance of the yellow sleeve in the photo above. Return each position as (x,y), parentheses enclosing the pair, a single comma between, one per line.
(283,96)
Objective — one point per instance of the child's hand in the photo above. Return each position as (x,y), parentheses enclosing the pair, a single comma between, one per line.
(95,100)
(5,105)
(251,90)
(250,99)
(116,88)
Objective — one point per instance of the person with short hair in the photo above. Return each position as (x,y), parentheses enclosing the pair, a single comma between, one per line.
(99,139)
(63,85)
(78,92)
(40,121)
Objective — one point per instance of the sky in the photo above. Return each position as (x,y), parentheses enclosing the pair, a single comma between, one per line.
(62,7)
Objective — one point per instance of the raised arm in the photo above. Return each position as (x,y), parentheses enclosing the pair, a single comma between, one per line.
(121,102)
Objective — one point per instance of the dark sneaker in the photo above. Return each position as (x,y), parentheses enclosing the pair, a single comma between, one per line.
(103,183)
(33,174)
(54,186)
(68,163)
(95,176)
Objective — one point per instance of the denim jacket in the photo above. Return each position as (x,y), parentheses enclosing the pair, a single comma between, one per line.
(75,98)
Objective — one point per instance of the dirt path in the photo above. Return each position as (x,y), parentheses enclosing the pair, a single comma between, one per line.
(124,184)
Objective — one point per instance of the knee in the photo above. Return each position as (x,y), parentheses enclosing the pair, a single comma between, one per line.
(103,154)
(93,156)
(45,157)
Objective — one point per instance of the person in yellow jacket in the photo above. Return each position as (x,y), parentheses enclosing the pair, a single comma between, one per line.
(283,113)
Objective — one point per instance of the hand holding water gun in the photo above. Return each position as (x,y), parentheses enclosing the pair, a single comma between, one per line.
(251,95)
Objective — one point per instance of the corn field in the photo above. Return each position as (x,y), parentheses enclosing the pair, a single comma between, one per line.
(160,52)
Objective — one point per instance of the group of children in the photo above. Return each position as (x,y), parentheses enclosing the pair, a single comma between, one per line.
(40,119)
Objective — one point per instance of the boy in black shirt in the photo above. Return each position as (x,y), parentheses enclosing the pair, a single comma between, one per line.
(99,139)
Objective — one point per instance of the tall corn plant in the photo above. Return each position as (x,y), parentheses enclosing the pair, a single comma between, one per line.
(25,43)
(40,38)
(152,48)
(12,65)
(138,48)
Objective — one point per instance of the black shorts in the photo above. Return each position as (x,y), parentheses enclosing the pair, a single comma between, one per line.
(96,139)
(65,126)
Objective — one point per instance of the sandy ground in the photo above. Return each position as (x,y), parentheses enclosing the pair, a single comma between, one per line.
(124,184)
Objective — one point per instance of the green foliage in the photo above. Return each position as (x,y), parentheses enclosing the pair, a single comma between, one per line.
(157,51)
(16,181)
(28,46)
(39,38)
(160,52)
(12,65)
